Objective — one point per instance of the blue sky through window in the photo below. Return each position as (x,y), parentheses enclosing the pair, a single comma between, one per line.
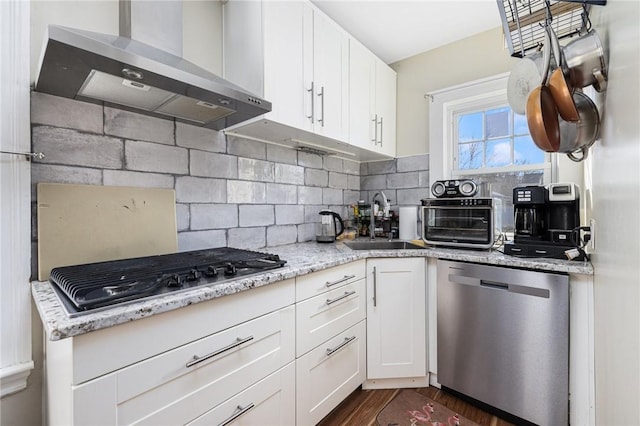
(495,138)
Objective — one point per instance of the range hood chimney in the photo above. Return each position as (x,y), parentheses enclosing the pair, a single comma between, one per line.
(142,70)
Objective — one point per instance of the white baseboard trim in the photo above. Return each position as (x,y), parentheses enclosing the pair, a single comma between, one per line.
(14,378)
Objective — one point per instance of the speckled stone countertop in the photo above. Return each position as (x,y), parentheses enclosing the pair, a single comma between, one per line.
(301,259)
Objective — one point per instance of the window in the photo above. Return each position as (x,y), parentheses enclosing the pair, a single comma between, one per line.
(484,140)
(494,148)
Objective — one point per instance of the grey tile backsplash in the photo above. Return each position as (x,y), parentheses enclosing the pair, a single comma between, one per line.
(229,191)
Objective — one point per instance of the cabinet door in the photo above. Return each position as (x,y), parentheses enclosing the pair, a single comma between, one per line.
(284,63)
(396,318)
(330,77)
(386,108)
(362,116)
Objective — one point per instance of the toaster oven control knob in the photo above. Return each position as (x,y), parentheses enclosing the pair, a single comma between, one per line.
(193,275)
(230,269)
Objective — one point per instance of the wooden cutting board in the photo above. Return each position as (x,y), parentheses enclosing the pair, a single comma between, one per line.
(86,223)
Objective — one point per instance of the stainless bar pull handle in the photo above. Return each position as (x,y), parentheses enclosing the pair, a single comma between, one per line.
(321,96)
(496,285)
(341,280)
(237,414)
(510,287)
(347,340)
(374,287)
(196,359)
(345,295)
(311,117)
(381,130)
(375,130)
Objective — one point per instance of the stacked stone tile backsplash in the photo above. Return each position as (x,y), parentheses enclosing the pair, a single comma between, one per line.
(229,191)
(405,180)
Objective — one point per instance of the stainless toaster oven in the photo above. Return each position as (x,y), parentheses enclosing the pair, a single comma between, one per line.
(459,222)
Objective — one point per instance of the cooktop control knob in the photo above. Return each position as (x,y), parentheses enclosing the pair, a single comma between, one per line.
(174,281)
(211,271)
(230,269)
(193,275)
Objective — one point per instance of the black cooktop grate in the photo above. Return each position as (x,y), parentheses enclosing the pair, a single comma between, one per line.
(106,283)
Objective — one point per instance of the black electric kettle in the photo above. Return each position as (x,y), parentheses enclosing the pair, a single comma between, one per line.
(327,229)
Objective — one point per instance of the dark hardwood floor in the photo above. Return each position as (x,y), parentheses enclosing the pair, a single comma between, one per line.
(362,407)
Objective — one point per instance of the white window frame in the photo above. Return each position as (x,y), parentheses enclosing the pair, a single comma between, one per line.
(446,103)
(15,198)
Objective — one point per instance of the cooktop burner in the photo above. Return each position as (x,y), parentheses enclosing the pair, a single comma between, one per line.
(88,287)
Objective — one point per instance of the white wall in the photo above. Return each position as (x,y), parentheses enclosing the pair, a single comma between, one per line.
(615,181)
(473,58)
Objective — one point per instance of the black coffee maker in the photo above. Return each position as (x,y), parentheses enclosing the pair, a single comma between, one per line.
(545,219)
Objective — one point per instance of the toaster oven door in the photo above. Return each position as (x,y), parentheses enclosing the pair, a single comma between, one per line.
(458,226)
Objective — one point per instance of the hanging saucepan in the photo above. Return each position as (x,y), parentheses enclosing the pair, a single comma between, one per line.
(578,136)
(542,114)
(560,88)
(586,62)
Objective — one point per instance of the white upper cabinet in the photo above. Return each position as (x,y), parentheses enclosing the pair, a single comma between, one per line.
(385,94)
(330,78)
(293,55)
(372,101)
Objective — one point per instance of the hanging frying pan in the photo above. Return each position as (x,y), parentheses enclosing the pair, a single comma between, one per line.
(541,111)
(560,88)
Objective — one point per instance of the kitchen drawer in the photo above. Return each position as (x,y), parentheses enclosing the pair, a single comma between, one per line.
(322,317)
(321,281)
(328,374)
(103,351)
(271,401)
(171,388)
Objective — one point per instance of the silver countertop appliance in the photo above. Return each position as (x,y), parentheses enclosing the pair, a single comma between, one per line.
(503,339)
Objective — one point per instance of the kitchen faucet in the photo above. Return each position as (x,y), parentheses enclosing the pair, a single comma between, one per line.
(385,207)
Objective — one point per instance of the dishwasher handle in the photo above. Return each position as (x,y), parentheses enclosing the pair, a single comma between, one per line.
(493,284)
(513,288)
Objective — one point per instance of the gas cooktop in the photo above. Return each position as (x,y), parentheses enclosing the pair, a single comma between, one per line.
(90,287)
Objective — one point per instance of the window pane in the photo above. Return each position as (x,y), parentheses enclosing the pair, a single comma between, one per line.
(470,155)
(520,126)
(470,127)
(525,151)
(497,123)
(499,153)
(500,187)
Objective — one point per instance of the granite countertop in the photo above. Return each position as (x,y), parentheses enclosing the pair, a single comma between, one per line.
(302,258)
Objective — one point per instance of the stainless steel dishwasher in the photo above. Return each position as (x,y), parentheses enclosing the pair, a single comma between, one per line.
(503,338)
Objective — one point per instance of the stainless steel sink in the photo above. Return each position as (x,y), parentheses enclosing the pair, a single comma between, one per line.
(383,245)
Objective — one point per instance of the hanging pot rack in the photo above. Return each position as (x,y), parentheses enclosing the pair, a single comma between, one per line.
(523,21)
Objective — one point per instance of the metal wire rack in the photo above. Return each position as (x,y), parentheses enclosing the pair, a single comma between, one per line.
(523,22)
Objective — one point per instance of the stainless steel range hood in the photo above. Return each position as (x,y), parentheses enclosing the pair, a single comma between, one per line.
(137,76)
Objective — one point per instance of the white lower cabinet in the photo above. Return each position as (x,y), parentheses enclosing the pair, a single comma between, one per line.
(396,323)
(282,354)
(330,339)
(326,375)
(178,386)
